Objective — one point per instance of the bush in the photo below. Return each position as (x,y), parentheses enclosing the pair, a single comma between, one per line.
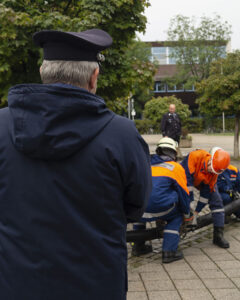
(194,125)
(146,126)
(157,107)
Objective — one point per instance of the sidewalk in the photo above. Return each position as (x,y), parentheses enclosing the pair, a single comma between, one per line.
(206,272)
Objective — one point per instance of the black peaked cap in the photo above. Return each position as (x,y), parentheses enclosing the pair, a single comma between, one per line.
(80,46)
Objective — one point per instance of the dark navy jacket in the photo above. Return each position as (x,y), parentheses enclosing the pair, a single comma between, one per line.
(169,188)
(72,174)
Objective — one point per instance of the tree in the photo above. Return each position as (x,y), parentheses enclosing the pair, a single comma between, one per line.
(20,19)
(142,74)
(155,108)
(221,91)
(196,46)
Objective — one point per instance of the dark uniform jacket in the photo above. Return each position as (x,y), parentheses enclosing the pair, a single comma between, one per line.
(72,174)
(171,126)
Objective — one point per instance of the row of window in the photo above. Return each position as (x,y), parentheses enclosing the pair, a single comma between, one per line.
(160,87)
(164,54)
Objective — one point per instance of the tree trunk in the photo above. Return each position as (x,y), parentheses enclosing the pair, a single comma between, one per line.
(236,137)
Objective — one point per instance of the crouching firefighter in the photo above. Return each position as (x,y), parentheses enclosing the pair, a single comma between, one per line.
(228,185)
(202,169)
(169,200)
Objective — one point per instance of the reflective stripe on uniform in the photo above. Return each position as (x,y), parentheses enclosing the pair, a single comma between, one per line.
(203,200)
(171,231)
(218,210)
(190,188)
(160,214)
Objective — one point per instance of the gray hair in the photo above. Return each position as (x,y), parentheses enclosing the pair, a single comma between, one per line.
(77,73)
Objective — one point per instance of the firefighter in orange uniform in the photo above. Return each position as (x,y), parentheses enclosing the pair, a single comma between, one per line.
(202,169)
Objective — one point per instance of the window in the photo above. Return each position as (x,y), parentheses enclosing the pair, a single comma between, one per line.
(172,60)
(189,87)
(159,54)
(160,87)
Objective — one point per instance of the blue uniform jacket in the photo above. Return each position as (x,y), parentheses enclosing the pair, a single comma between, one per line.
(229,180)
(169,187)
(72,174)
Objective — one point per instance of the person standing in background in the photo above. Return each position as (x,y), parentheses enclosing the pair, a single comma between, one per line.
(171,124)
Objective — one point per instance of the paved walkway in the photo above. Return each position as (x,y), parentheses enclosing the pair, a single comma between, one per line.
(200,141)
(206,272)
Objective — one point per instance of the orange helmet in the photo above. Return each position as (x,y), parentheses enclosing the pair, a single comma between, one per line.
(220,160)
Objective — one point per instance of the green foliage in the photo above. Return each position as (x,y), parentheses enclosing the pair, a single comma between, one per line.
(146,126)
(196,46)
(142,74)
(221,90)
(155,108)
(19,19)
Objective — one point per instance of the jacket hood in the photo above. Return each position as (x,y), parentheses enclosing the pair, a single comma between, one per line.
(54,121)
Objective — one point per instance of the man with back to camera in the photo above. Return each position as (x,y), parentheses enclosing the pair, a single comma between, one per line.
(74,173)
(171,124)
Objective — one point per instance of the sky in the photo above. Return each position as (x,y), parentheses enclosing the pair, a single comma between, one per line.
(161,11)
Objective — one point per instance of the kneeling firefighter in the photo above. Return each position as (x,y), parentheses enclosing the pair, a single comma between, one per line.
(169,200)
(202,170)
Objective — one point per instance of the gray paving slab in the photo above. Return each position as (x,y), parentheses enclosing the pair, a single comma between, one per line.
(137,296)
(159,285)
(196,295)
(136,286)
(210,274)
(163,295)
(154,276)
(226,294)
(182,274)
(218,283)
(189,284)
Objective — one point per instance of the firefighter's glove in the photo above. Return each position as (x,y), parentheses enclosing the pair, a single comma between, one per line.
(188,219)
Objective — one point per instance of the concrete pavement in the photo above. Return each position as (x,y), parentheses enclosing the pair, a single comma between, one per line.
(206,272)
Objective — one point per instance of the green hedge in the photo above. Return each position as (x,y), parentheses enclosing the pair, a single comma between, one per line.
(191,125)
(146,126)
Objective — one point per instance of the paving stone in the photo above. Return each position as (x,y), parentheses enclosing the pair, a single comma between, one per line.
(203,265)
(222,257)
(236,281)
(236,255)
(192,251)
(189,284)
(177,266)
(182,274)
(135,286)
(159,285)
(234,247)
(154,276)
(228,264)
(163,295)
(133,276)
(197,258)
(226,294)
(232,273)
(192,294)
(137,296)
(214,250)
(205,274)
(150,267)
(218,283)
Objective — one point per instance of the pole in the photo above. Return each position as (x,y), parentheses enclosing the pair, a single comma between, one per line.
(223,120)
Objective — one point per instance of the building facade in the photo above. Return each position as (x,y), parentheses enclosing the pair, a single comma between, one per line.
(167,68)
